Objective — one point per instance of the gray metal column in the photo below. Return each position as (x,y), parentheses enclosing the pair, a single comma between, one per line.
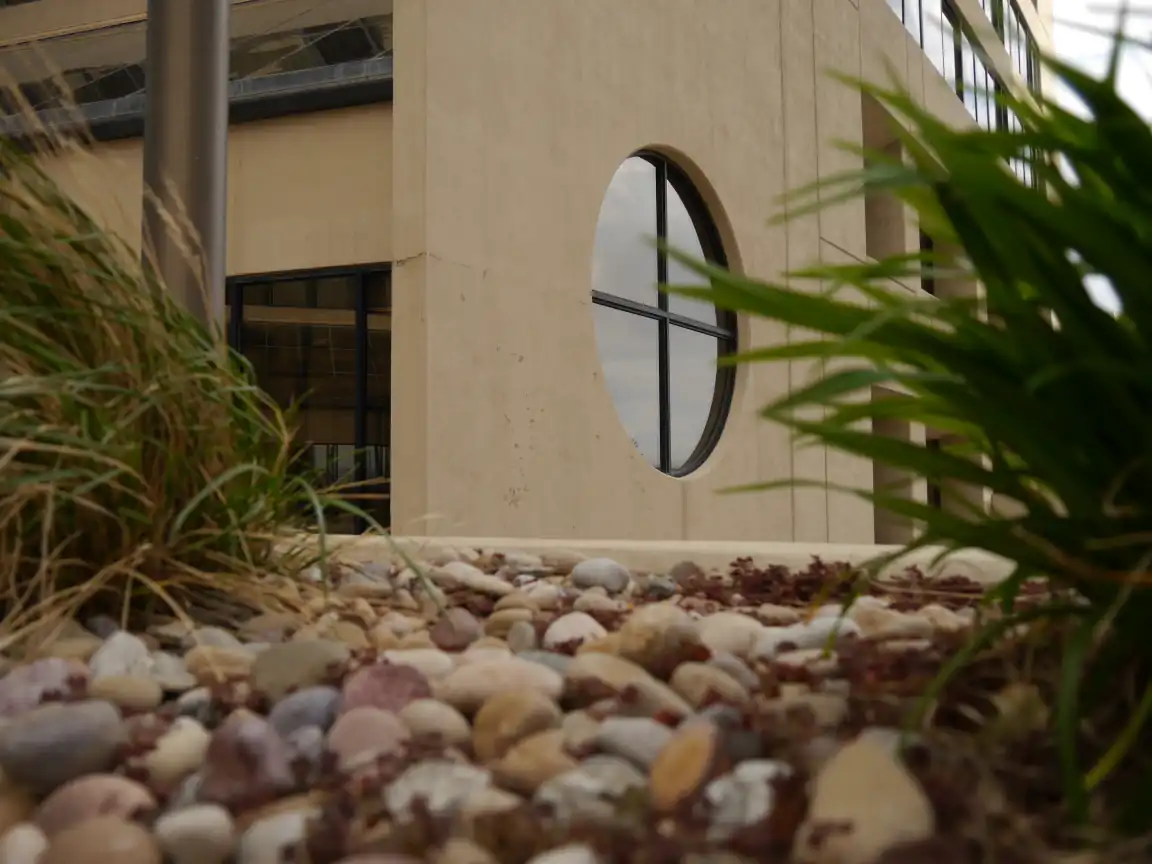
(186,148)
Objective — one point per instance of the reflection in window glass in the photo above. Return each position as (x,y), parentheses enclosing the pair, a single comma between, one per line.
(692,366)
(659,351)
(932,17)
(683,236)
(630,358)
(308,347)
(624,261)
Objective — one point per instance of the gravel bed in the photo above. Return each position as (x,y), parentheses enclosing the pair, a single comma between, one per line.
(545,709)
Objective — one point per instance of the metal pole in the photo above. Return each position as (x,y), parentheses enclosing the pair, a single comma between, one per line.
(186,149)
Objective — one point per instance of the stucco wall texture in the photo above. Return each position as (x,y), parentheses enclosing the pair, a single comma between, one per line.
(482,183)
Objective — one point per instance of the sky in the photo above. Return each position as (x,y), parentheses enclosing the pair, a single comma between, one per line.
(1077,45)
(1091,51)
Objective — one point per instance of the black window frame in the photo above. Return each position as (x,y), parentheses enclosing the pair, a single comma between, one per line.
(362,307)
(668,173)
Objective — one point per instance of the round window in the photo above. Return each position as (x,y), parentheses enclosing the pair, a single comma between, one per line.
(659,351)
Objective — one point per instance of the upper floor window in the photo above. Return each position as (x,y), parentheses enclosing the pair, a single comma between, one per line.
(107,62)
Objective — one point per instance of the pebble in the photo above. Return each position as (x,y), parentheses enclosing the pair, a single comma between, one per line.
(600,675)
(601,572)
(22,844)
(730,633)
(275,838)
(49,746)
(127,692)
(121,654)
(637,739)
(213,664)
(246,762)
(594,790)
(179,752)
(456,630)
(432,663)
(865,787)
(103,838)
(312,706)
(294,665)
(522,637)
(171,672)
(91,796)
(200,834)
(684,765)
(26,687)
(432,721)
(701,683)
(508,717)
(439,785)
(385,685)
(571,854)
(533,761)
(364,733)
(744,797)
(468,687)
(572,630)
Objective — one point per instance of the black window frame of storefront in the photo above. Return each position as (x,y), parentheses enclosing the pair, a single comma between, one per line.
(235,304)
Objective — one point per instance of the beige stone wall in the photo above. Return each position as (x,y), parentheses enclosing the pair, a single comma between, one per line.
(507,143)
(313,190)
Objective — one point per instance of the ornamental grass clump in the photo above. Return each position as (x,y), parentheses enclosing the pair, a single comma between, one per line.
(1042,396)
(139,462)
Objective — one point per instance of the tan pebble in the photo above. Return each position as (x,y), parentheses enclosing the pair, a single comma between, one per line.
(700,684)
(864,786)
(103,838)
(488,642)
(351,634)
(580,730)
(16,806)
(609,644)
(178,753)
(460,850)
(484,802)
(22,844)
(499,623)
(432,721)
(210,665)
(93,795)
(656,636)
(269,627)
(127,692)
(684,765)
(486,654)
(419,639)
(508,717)
(516,600)
(382,638)
(307,801)
(531,763)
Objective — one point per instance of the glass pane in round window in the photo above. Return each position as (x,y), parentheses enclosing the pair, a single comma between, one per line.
(692,365)
(683,237)
(659,352)
(624,260)
(629,354)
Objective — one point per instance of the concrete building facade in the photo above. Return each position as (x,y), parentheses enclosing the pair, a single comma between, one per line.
(439,215)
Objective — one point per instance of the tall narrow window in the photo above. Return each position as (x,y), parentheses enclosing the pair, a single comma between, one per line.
(322,341)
